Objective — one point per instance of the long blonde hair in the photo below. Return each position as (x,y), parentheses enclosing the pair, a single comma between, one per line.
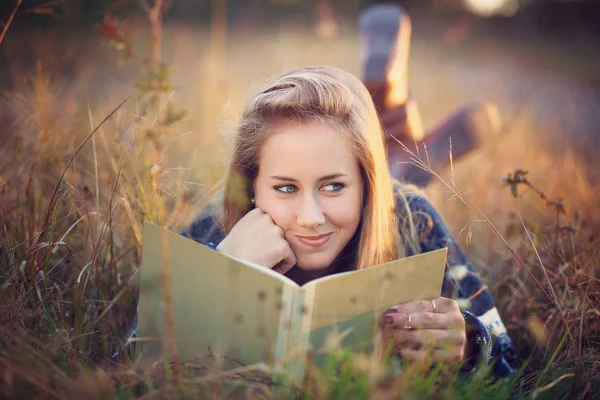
(335,97)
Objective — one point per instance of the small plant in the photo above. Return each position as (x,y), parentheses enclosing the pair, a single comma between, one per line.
(519,178)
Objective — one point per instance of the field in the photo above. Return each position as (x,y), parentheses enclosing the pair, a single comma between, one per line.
(72,202)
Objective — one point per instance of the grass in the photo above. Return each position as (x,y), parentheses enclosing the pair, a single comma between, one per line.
(82,165)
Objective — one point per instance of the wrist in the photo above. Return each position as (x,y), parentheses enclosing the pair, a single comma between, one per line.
(223,247)
(219,247)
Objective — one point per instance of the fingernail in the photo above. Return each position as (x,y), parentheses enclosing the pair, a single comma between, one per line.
(388,320)
(391,311)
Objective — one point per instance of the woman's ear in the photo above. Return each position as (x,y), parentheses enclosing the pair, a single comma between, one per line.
(252,197)
(251,192)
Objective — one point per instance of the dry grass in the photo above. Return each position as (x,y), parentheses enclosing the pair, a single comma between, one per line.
(68,260)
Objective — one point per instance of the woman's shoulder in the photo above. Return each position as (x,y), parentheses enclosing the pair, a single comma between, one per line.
(414,208)
(205,227)
(421,216)
(411,196)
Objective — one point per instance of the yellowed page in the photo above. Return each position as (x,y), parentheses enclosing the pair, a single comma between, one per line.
(238,310)
(354,302)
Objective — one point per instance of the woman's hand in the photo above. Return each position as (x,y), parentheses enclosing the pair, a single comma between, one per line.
(426,329)
(257,239)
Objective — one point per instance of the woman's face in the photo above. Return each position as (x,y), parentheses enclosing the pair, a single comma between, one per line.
(309,183)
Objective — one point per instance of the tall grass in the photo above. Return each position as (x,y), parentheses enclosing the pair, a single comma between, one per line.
(78,177)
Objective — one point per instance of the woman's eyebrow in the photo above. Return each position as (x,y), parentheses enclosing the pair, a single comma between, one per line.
(332,176)
(323,178)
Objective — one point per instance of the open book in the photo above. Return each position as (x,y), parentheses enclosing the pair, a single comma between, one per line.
(248,313)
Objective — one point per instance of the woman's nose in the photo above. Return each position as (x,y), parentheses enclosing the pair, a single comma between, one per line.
(310,212)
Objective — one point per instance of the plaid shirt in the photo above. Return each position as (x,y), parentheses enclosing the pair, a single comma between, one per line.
(485,330)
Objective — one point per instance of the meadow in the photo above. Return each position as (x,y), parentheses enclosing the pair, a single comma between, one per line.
(99,135)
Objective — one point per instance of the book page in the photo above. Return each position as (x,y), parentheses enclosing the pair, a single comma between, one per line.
(353,302)
(220,305)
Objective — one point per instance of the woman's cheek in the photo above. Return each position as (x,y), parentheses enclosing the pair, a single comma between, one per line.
(281,213)
(344,211)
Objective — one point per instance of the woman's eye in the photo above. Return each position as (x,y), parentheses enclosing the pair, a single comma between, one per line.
(286,188)
(334,187)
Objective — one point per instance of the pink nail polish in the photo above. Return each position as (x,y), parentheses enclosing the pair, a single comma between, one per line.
(388,320)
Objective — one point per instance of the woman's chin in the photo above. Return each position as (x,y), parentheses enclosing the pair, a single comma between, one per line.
(314,263)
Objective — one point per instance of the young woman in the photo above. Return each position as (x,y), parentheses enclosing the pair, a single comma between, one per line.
(308,194)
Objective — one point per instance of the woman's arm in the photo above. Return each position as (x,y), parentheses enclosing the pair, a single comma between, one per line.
(204,229)
(487,339)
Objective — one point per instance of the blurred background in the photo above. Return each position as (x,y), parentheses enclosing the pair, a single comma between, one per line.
(66,64)
(522,54)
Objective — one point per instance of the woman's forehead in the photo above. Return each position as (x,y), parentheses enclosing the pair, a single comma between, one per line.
(307,134)
(307,148)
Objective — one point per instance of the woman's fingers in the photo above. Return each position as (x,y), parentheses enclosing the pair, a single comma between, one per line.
(288,258)
(424,339)
(440,313)
(454,354)
(439,305)
(422,320)
(430,337)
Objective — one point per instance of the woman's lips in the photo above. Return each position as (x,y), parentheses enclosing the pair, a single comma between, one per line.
(315,241)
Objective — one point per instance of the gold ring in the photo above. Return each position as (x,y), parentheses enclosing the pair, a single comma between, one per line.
(433,303)
(409,320)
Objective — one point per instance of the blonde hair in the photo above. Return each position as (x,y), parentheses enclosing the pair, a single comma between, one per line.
(337,98)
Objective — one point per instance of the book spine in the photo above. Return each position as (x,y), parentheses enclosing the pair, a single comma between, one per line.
(306,310)
(299,343)
(287,301)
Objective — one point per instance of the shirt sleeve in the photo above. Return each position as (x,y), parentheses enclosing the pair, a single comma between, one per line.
(205,229)
(486,333)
